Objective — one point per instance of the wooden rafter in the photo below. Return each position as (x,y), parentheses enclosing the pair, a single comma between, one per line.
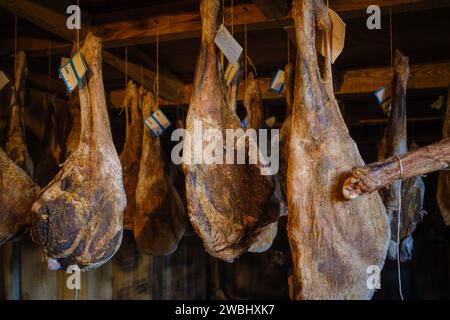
(356,81)
(53,19)
(135,27)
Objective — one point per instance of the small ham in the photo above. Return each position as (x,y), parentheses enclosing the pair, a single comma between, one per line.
(160,220)
(443,187)
(412,190)
(131,153)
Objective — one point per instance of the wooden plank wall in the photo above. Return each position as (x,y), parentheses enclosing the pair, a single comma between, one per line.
(129,275)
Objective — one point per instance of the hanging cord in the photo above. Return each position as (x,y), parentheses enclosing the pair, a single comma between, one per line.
(15,42)
(50,60)
(126,66)
(157,64)
(124,107)
(391,37)
(78,30)
(245,48)
(398,229)
(288,48)
(232,18)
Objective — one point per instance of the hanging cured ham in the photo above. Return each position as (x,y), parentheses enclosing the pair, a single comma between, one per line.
(286,127)
(255,120)
(16,146)
(131,153)
(73,139)
(226,202)
(412,190)
(333,241)
(17,194)
(160,220)
(48,165)
(443,187)
(78,216)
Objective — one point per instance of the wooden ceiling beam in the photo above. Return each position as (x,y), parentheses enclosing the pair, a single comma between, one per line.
(354,82)
(48,15)
(52,17)
(136,27)
(170,88)
(272,9)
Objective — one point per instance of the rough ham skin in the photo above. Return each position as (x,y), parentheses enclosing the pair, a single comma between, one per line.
(17,194)
(160,220)
(78,216)
(16,146)
(73,138)
(285,131)
(255,120)
(333,241)
(131,153)
(443,187)
(412,190)
(226,202)
(48,165)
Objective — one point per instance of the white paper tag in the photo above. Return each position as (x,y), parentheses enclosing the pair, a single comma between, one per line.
(3,80)
(277,83)
(231,72)
(337,37)
(157,122)
(383,96)
(64,61)
(73,72)
(228,45)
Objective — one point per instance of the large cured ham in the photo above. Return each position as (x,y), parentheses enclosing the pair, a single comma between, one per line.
(160,220)
(17,194)
(333,241)
(131,153)
(16,146)
(78,216)
(226,202)
(443,187)
(412,190)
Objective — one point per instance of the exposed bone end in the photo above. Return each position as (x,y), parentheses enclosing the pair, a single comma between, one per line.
(209,10)
(92,51)
(322,16)
(350,191)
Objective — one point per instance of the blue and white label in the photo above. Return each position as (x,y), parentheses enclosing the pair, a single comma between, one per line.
(157,123)
(383,96)
(73,72)
(277,83)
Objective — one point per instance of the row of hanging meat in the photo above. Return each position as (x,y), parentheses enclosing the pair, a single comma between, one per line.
(79,216)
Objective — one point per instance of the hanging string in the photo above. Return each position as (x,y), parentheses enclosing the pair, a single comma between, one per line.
(15,42)
(245,48)
(78,31)
(232,18)
(398,229)
(288,48)
(391,37)
(126,66)
(157,63)
(50,60)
